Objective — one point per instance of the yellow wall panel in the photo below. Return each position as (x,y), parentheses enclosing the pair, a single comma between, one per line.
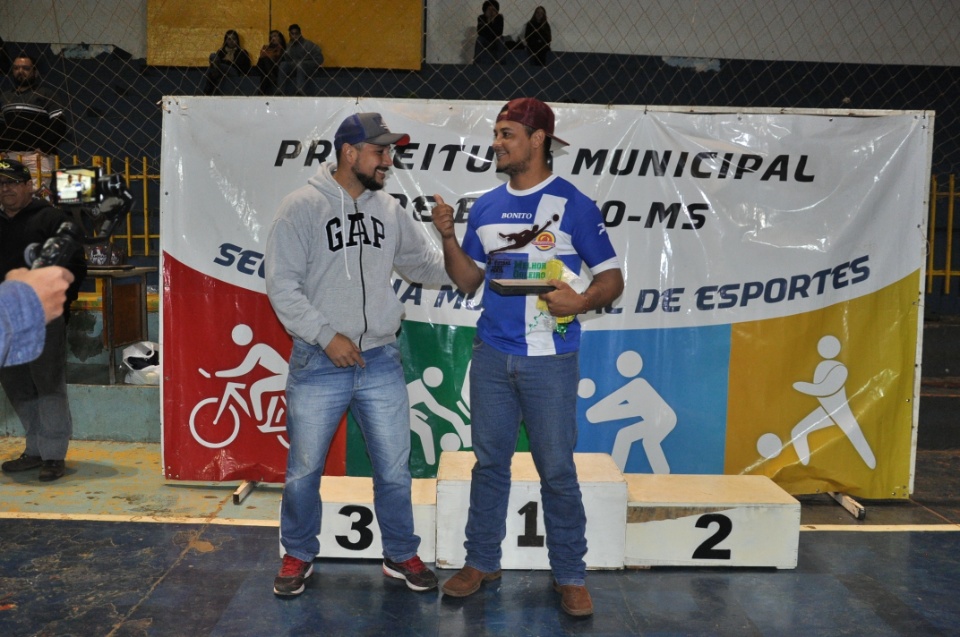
(185,33)
(384,34)
(767,359)
(365,34)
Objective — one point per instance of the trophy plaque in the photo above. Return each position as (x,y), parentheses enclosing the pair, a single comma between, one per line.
(520,287)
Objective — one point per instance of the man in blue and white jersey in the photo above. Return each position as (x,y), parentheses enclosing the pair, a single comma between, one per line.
(525,362)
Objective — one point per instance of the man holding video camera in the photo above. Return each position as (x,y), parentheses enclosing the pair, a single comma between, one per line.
(38,389)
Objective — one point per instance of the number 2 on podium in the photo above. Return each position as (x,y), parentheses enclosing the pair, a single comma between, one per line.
(707,550)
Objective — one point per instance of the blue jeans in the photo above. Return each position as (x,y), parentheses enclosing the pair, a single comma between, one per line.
(542,391)
(318,394)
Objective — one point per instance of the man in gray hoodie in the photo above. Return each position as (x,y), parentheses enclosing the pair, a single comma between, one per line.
(329,257)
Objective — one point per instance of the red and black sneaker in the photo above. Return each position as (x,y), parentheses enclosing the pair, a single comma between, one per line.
(416,574)
(292,576)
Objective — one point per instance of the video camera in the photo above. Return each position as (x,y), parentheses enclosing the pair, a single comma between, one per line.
(99,202)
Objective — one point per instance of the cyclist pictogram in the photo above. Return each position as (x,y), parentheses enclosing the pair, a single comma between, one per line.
(208,423)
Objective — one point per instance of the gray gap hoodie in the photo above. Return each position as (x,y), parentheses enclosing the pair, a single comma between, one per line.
(329,258)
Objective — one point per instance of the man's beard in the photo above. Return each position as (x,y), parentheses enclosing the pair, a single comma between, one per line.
(368,181)
(514,169)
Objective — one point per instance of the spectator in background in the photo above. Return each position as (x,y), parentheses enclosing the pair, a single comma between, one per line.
(537,37)
(489,46)
(270,54)
(37,389)
(34,122)
(299,63)
(230,59)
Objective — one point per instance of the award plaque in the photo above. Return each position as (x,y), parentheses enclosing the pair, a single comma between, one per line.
(520,287)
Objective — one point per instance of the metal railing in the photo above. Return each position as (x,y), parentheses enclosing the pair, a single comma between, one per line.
(938,266)
(141,230)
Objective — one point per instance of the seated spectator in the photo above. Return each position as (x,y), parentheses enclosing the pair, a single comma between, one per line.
(231,59)
(270,54)
(299,63)
(489,46)
(537,38)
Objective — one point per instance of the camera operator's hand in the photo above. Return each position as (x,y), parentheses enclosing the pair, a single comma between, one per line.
(49,283)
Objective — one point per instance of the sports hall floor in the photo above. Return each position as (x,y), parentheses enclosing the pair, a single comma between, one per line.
(114,549)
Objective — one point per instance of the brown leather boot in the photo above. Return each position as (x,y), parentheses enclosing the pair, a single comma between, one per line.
(574,600)
(467,581)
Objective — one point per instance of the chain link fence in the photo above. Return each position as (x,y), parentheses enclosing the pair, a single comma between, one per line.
(856,54)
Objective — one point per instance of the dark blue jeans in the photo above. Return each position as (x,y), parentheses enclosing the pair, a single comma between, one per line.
(542,391)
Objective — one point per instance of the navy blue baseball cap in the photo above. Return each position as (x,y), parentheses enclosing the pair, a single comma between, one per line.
(367,127)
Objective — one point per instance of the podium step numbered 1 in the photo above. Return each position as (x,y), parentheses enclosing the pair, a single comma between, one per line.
(633,520)
(604,499)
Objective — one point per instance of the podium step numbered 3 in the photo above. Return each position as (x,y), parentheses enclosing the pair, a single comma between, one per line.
(349,527)
(633,520)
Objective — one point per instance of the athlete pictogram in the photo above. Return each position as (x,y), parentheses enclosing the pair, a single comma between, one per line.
(420,397)
(829,379)
(636,399)
(207,427)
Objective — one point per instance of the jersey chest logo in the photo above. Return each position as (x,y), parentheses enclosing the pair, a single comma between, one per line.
(539,237)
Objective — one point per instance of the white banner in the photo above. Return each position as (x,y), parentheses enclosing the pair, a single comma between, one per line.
(746,238)
(726,217)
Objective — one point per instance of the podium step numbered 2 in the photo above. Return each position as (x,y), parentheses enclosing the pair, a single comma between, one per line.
(633,520)
(699,520)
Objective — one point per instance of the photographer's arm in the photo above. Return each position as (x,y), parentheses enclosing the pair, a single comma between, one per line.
(28,300)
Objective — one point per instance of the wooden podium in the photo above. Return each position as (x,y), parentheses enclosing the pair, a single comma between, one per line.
(604,500)
(349,527)
(633,520)
(710,520)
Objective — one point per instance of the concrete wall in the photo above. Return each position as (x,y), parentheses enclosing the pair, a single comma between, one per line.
(125,413)
(865,32)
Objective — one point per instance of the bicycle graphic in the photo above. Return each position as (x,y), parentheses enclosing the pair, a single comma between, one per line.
(260,355)
(232,396)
